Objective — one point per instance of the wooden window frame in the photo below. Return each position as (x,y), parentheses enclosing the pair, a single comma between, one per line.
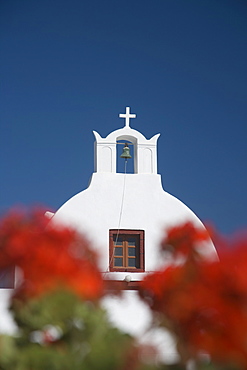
(140,252)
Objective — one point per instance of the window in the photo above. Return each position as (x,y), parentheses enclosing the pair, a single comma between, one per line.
(127,250)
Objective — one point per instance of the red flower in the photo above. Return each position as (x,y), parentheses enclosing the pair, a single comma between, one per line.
(204,303)
(184,239)
(48,256)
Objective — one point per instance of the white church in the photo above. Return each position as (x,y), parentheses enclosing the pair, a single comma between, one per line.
(125,216)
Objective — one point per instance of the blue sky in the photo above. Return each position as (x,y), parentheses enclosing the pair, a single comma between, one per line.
(70,67)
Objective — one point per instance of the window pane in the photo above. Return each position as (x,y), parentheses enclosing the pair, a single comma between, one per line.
(118,251)
(132,251)
(131,262)
(132,243)
(118,239)
(132,240)
(118,262)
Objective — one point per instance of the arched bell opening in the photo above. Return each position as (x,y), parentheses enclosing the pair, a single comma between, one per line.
(131,164)
(125,156)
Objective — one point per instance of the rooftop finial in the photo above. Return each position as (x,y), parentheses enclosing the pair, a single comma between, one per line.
(127,116)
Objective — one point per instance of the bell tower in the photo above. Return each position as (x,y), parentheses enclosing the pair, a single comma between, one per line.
(145,151)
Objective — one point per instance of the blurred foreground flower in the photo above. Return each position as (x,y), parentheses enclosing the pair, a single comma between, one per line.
(203,303)
(60,324)
(56,305)
(48,256)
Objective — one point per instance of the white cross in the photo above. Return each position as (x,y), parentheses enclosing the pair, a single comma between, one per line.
(127,116)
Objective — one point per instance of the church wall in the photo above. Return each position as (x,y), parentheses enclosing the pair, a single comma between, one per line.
(132,201)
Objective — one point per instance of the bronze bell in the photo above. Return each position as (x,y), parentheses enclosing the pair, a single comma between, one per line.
(126,152)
